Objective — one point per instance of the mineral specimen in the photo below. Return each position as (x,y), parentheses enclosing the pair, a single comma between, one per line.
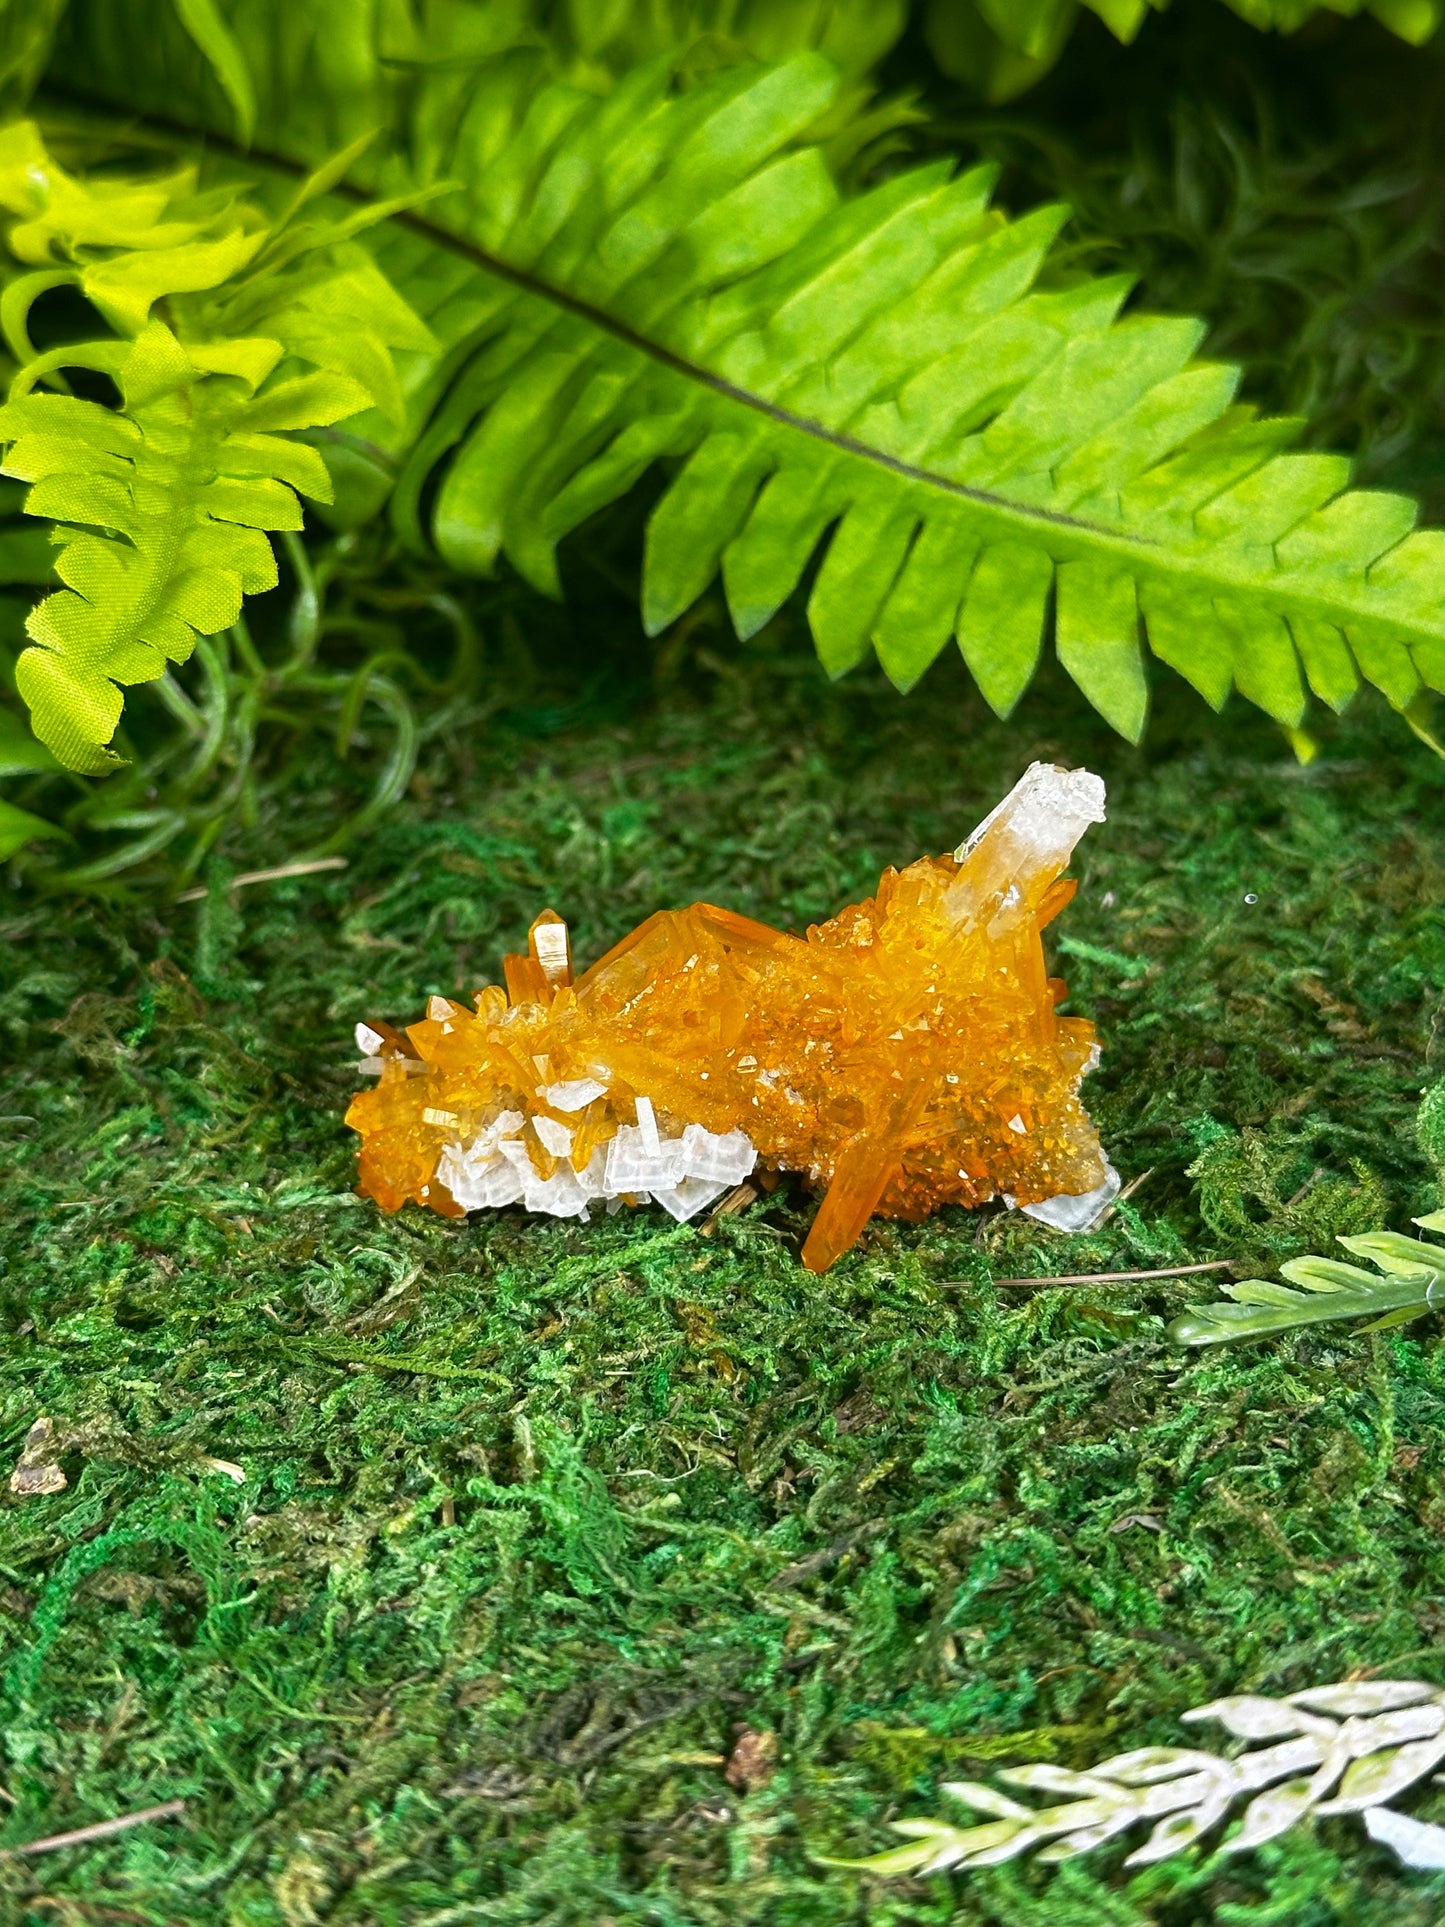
(903,1056)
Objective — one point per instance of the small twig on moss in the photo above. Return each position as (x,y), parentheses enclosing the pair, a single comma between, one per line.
(102,1829)
(1123,1198)
(736,1200)
(812,1562)
(282,870)
(1313,1179)
(1096,1277)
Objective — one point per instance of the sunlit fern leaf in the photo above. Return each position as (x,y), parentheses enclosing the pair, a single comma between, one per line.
(1413,1281)
(162,505)
(887,389)
(870,393)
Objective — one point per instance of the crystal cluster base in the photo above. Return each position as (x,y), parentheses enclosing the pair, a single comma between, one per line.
(683,1173)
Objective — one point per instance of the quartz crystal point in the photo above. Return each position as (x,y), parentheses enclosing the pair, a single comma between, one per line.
(905,1055)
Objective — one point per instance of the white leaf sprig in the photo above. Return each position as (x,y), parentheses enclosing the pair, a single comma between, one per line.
(1346,1748)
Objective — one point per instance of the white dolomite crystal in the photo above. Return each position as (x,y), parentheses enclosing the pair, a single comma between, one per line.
(575,1095)
(1045,813)
(1078,1213)
(684,1174)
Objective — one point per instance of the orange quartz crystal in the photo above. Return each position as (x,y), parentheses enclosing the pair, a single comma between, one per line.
(905,1055)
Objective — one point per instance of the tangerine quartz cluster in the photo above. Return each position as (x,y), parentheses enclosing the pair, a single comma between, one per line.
(905,1055)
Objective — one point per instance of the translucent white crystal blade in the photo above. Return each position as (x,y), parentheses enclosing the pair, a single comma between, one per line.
(647,1124)
(574,1095)
(724,1160)
(1076,1214)
(559,1196)
(1048,810)
(551,943)
(684,1175)
(553,1136)
(633,1167)
(593,1177)
(478,1183)
(1031,835)
(685,1200)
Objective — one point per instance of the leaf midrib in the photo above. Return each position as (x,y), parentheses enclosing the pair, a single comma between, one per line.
(1154,557)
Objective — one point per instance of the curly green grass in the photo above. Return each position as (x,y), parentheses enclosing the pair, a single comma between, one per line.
(535,1517)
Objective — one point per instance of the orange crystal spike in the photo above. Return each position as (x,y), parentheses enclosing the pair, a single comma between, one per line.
(904,1055)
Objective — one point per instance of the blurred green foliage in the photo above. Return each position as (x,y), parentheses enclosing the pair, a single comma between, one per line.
(1001,48)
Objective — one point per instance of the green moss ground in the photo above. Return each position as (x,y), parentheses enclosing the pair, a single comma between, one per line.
(534,1517)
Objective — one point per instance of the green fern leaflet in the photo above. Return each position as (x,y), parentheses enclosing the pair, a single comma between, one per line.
(1410,1281)
(879,380)
(876,392)
(1001,47)
(162,505)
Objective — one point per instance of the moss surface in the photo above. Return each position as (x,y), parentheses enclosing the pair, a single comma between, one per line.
(535,1518)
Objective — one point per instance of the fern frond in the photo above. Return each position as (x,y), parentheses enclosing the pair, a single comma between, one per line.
(1026,25)
(666,271)
(163,506)
(27,35)
(19,827)
(854,34)
(1413,1282)
(27,30)
(203,22)
(879,378)
(1001,47)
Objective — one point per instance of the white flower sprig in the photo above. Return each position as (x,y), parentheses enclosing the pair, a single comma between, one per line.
(1347,1748)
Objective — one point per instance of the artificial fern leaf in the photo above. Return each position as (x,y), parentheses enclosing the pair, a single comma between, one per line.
(27,29)
(1001,47)
(27,34)
(203,22)
(19,827)
(163,505)
(877,392)
(888,389)
(1413,1281)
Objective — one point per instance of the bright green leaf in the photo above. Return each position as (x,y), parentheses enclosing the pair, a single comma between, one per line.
(162,503)
(203,22)
(19,827)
